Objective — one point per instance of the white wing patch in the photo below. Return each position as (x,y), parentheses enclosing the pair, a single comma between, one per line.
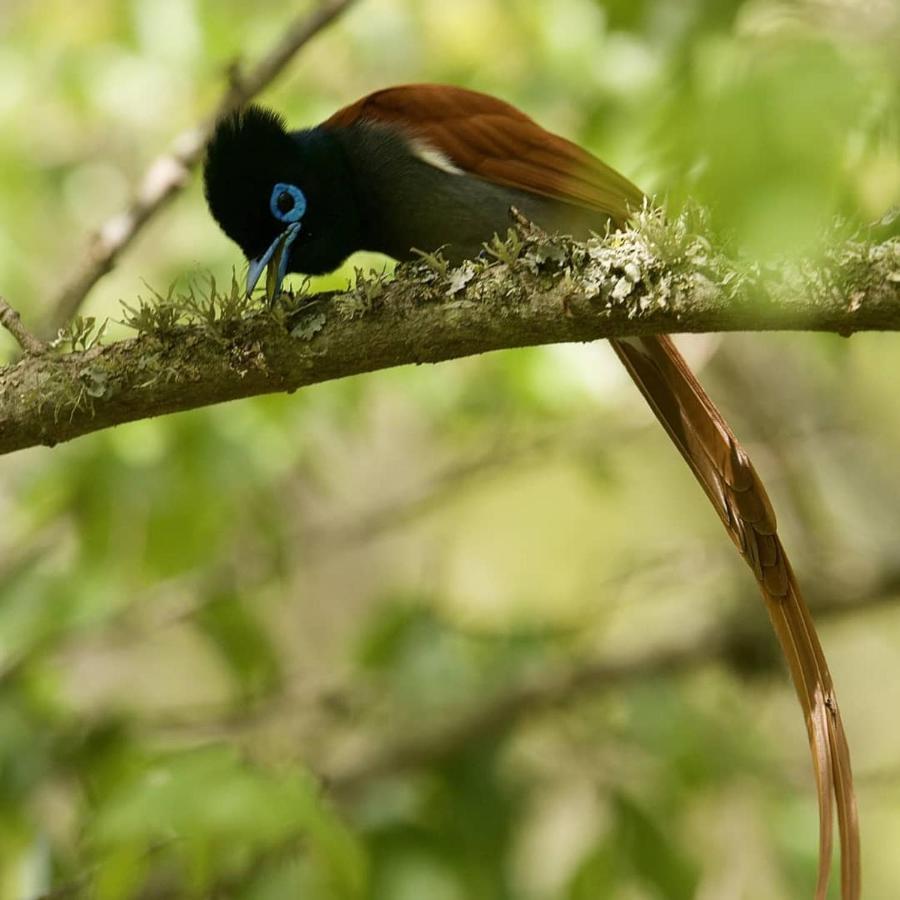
(421,149)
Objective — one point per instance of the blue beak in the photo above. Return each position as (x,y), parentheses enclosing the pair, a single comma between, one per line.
(276,259)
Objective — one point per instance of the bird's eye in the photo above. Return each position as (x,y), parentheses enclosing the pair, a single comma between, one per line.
(287,203)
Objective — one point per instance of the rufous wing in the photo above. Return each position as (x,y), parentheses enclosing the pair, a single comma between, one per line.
(491,139)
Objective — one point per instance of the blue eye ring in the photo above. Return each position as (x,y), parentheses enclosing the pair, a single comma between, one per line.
(295,213)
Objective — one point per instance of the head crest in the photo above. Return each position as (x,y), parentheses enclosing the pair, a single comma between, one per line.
(249,151)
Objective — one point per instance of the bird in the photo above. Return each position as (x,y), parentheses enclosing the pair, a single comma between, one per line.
(422,167)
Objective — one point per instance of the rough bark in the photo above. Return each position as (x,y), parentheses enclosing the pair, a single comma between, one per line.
(530,290)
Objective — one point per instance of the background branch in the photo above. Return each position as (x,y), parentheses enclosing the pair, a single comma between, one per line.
(746,646)
(652,279)
(168,174)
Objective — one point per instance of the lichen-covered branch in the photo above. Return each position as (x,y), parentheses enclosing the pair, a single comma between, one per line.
(168,174)
(530,289)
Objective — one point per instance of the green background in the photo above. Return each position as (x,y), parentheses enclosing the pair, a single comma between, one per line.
(212,624)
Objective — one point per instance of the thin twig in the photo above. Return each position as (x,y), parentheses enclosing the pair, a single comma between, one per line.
(12,322)
(168,174)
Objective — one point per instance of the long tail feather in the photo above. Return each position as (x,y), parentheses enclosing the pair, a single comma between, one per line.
(727,476)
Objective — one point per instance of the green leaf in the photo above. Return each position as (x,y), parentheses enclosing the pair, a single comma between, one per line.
(242,641)
(220,815)
(597,875)
(653,852)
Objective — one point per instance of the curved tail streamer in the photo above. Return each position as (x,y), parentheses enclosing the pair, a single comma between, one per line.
(725,473)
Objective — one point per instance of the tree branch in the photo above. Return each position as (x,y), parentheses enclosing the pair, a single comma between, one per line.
(652,279)
(168,174)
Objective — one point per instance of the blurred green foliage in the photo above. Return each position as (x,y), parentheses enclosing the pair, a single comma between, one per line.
(201,615)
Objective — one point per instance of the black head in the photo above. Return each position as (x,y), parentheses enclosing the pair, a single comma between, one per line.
(285,198)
